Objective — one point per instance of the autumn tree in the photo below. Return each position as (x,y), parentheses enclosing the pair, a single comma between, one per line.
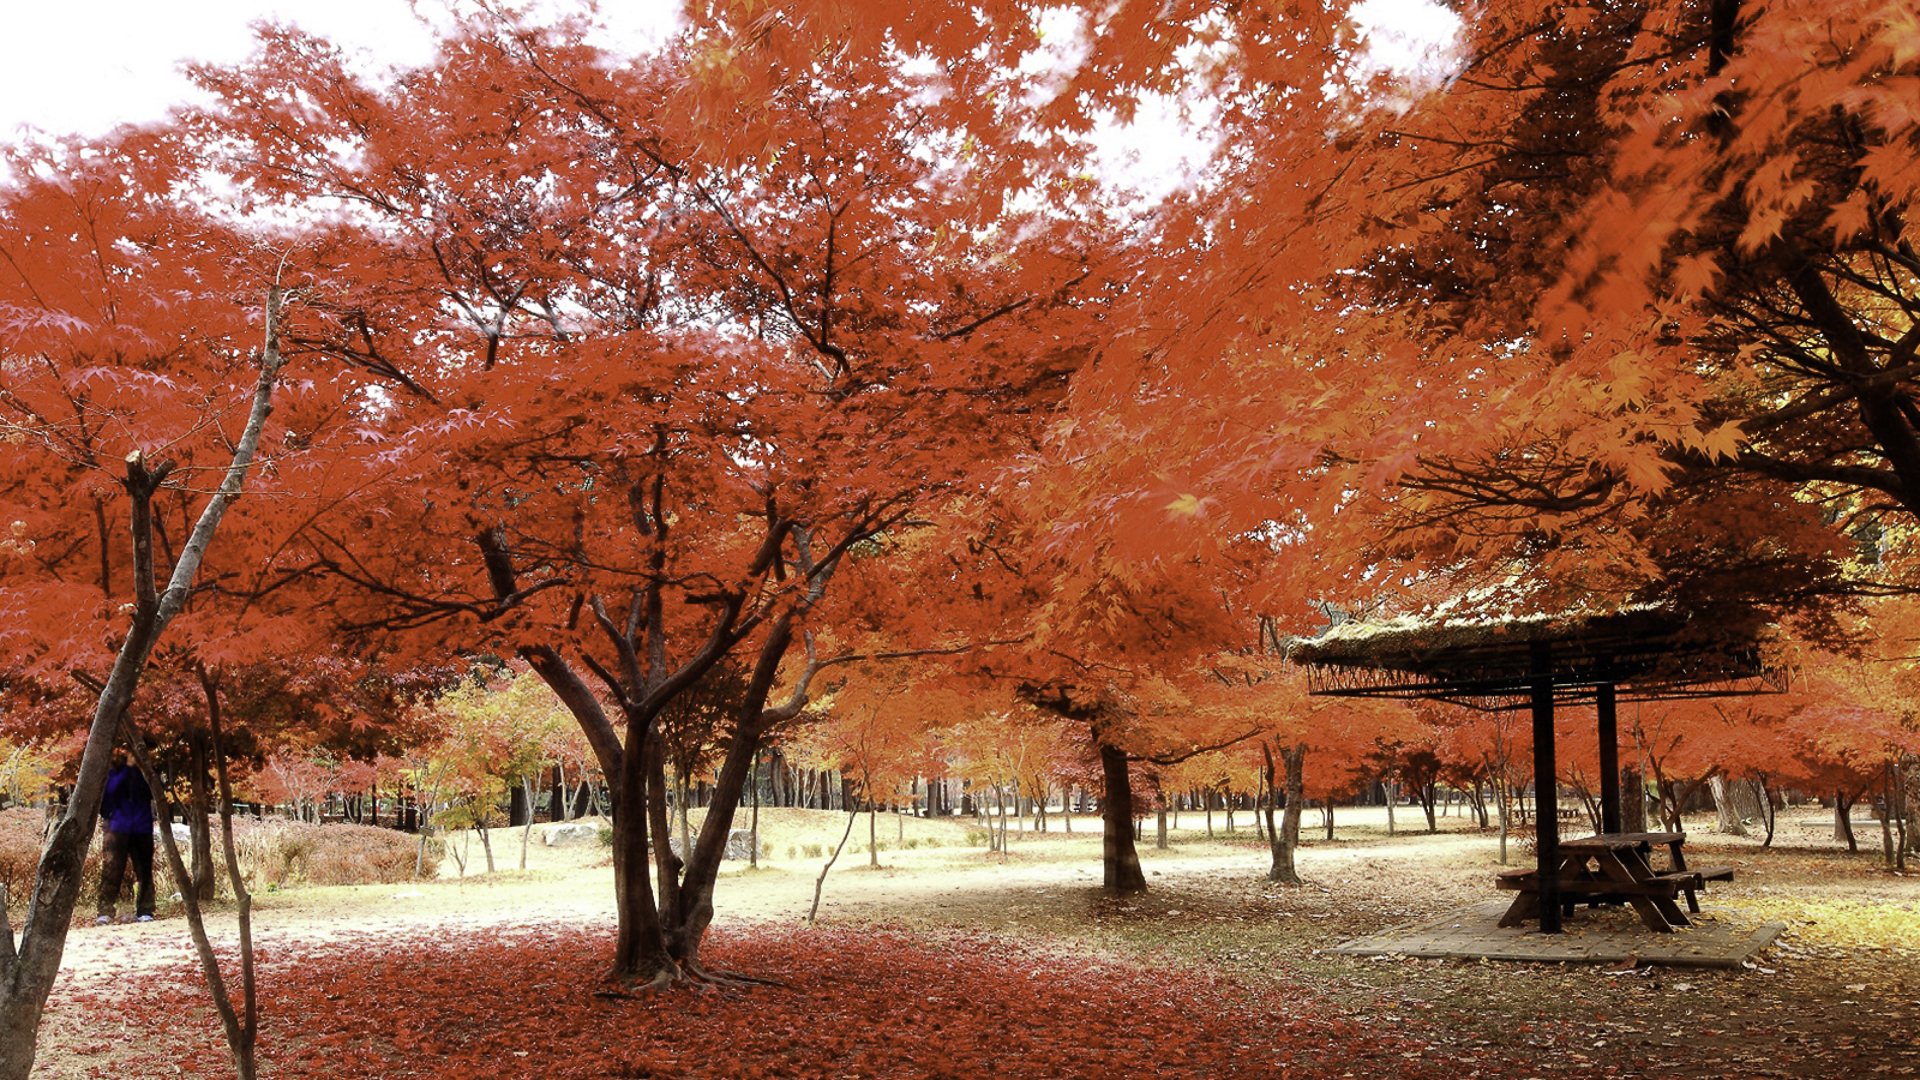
(1715,379)
(136,388)
(497,726)
(790,351)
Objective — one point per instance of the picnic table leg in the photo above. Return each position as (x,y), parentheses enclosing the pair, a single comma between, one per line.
(1524,909)
(1693,901)
(1658,912)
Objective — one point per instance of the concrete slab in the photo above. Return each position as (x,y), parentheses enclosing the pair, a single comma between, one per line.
(1717,939)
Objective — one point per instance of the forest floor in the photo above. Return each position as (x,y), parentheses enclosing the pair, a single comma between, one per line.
(1213,951)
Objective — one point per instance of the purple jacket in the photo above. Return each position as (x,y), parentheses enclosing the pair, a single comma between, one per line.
(127,805)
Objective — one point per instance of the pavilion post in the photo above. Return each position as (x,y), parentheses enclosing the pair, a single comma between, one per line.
(1546,809)
(1609,760)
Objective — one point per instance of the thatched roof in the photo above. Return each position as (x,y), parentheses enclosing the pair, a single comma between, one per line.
(1489,663)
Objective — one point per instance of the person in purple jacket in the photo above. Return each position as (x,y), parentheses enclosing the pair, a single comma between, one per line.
(126,814)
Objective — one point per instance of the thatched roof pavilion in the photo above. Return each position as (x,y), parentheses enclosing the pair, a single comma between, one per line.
(1643,653)
(1538,661)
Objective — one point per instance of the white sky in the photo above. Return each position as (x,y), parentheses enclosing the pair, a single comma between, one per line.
(85,65)
(82,66)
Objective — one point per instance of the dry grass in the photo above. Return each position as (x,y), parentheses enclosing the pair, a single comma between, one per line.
(273,852)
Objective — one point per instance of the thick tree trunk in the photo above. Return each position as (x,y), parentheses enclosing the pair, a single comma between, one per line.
(1735,804)
(1120,862)
(1633,801)
(667,864)
(640,954)
(710,847)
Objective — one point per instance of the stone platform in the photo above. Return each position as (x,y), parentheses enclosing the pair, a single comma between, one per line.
(1613,936)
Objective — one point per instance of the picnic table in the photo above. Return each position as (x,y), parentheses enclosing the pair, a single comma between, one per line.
(1616,868)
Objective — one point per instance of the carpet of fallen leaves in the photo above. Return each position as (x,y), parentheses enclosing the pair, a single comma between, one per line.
(1019,967)
(839,1003)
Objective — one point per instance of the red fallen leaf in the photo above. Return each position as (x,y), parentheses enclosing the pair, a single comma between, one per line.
(855,1005)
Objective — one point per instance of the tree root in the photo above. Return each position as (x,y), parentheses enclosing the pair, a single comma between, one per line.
(725,980)
(688,973)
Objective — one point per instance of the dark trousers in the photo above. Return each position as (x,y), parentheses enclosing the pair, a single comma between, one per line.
(115,853)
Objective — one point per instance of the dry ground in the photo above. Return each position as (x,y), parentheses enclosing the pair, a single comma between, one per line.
(1836,997)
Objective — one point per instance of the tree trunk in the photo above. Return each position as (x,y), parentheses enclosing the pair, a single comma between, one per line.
(519,809)
(1503,800)
(486,835)
(241,1025)
(28,966)
(821,881)
(1843,821)
(1633,801)
(1120,863)
(199,818)
(1894,817)
(1284,840)
(526,831)
(695,911)
(1735,805)
(666,863)
(1160,828)
(753,856)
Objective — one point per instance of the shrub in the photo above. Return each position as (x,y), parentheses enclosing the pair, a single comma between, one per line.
(275,852)
(269,850)
(20,831)
(605,834)
(979,837)
(766,849)
(363,855)
(814,851)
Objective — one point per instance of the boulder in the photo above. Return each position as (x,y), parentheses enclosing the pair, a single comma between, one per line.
(739,845)
(570,833)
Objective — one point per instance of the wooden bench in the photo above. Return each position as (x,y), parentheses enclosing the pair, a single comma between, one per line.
(1662,891)
(1700,878)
